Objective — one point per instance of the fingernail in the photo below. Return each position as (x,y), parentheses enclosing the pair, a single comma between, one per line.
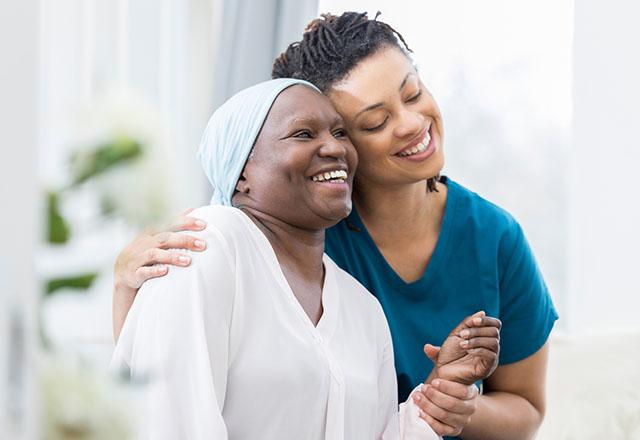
(422,414)
(200,224)
(417,397)
(199,244)
(464,343)
(184,259)
(161,269)
(477,321)
(436,383)
(465,334)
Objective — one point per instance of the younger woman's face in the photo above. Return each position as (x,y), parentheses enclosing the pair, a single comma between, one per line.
(302,165)
(392,120)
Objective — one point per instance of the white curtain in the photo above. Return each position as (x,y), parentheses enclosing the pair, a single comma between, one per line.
(252,34)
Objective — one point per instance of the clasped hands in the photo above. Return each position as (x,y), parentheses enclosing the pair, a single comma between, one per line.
(448,398)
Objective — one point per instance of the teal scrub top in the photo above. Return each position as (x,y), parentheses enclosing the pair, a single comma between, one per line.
(482,261)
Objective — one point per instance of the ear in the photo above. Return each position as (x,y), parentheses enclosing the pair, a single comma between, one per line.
(243,185)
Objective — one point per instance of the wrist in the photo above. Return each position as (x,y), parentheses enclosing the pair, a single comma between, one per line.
(123,289)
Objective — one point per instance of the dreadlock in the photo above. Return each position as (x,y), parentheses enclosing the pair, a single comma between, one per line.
(332,46)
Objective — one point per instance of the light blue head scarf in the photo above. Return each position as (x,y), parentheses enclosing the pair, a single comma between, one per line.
(231,132)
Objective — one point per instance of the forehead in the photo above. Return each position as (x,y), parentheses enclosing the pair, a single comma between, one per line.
(375,79)
(300,102)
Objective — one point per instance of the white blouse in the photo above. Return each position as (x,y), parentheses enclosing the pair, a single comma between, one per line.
(231,354)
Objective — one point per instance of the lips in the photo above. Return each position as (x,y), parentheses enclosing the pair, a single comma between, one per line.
(416,146)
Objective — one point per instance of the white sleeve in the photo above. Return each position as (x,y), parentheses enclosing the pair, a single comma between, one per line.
(394,424)
(176,336)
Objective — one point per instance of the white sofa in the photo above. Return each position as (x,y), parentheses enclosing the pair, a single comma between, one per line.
(593,388)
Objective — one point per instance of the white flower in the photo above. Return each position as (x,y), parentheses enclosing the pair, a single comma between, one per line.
(139,189)
(82,404)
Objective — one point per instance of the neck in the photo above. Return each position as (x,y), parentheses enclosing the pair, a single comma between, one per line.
(399,213)
(296,248)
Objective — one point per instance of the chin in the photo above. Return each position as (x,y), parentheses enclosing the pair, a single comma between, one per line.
(333,215)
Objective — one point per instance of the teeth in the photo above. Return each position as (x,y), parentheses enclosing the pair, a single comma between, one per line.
(418,148)
(337,176)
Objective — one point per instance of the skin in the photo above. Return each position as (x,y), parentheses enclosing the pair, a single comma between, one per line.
(388,191)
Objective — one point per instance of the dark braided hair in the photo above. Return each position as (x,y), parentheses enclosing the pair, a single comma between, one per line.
(332,46)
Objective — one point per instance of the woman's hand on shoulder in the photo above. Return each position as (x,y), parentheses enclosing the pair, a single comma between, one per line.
(149,256)
(151,252)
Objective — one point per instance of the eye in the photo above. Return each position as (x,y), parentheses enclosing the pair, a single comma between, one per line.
(415,97)
(341,132)
(303,134)
(377,127)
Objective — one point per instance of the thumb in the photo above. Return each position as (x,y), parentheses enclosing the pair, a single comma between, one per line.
(432,352)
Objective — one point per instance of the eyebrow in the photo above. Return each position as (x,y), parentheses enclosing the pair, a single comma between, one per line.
(380,104)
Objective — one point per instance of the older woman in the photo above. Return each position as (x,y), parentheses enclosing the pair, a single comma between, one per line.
(263,336)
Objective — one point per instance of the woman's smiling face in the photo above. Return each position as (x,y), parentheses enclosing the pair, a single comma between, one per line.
(302,165)
(392,120)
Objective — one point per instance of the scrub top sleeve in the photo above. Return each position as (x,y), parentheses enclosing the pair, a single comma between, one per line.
(394,424)
(526,308)
(178,331)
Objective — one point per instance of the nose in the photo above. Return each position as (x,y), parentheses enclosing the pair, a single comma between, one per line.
(409,124)
(332,148)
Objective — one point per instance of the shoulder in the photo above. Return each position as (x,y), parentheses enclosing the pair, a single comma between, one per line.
(484,221)
(226,227)
(226,219)
(472,206)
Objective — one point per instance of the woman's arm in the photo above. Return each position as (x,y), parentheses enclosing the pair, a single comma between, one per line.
(514,401)
(513,405)
(177,337)
(148,256)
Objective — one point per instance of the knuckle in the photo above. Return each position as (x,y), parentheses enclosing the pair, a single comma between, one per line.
(163,237)
(449,431)
(438,428)
(438,412)
(449,405)
(188,241)
(424,405)
(152,254)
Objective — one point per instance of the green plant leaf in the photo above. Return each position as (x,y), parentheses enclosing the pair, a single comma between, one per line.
(86,165)
(58,231)
(81,282)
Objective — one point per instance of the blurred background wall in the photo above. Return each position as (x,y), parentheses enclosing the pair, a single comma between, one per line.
(103,105)
(20,218)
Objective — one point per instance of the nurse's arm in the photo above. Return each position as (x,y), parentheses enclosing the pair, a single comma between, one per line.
(148,256)
(513,405)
